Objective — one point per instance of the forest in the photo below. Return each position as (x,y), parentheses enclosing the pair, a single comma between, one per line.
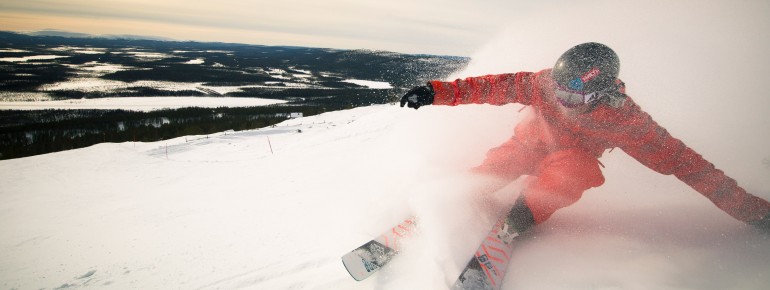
(45,131)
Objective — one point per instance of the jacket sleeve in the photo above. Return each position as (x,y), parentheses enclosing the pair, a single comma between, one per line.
(489,89)
(653,146)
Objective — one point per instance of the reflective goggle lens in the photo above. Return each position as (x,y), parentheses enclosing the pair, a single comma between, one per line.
(571,99)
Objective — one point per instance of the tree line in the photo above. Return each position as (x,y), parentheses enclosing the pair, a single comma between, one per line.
(45,131)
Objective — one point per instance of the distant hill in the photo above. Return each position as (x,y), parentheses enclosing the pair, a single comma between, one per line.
(61,65)
(54,32)
(74,66)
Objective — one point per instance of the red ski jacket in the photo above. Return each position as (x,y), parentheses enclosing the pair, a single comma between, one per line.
(627,127)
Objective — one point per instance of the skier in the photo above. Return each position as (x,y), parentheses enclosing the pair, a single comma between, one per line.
(581,109)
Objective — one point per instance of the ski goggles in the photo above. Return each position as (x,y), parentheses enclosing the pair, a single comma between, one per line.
(572,99)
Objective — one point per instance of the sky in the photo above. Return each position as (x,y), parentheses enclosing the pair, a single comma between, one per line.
(448,27)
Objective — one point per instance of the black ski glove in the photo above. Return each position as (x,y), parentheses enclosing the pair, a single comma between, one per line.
(418,97)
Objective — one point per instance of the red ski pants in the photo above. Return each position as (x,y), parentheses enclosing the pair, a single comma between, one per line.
(563,175)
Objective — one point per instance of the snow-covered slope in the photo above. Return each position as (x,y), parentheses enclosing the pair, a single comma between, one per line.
(275,208)
(224,212)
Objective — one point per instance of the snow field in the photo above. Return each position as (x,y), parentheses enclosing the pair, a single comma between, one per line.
(225,213)
(138,103)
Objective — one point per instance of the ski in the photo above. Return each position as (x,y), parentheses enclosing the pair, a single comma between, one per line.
(485,271)
(373,255)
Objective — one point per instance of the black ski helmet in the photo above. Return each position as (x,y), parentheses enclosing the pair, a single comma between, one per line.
(587,68)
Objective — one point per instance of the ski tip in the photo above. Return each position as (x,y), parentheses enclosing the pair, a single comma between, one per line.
(356,266)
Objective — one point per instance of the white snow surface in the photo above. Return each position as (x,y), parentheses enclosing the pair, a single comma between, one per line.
(138,103)
(276,208)
(28,58)
(370,84)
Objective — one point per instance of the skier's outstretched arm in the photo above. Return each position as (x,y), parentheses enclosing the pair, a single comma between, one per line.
(653,146)
(498,89)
